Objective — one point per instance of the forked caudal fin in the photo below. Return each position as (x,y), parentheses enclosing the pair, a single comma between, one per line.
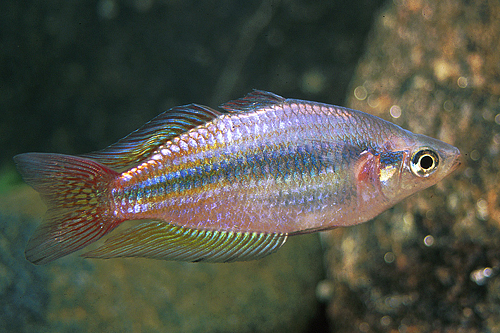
(76,191)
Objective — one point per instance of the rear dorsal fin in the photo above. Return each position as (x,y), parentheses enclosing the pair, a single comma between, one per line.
(138,145)
(255,100)
(161,240)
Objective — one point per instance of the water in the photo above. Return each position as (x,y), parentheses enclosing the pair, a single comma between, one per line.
(77,76)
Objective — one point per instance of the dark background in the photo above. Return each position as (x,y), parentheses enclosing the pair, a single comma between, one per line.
(76,76)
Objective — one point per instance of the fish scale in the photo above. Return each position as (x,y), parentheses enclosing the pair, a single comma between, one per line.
(234,185)
(262,146)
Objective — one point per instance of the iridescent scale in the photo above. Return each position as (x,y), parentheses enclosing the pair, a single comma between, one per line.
(283,168)
(158,240)
(228,186)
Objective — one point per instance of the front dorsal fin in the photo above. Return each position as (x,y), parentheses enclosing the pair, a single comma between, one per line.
(255,100)
(136,146)
(161,240)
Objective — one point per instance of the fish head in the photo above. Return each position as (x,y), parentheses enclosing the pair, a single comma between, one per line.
(412,163)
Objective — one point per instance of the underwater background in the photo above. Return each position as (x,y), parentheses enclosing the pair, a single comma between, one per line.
(78,75)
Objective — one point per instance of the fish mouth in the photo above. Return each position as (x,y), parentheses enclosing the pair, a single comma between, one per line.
(457,162)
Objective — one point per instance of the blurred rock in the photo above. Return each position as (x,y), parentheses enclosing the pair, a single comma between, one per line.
(23,287)
(430,263)
(275,294)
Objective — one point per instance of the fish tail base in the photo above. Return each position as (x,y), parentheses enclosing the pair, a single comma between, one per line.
(77,193)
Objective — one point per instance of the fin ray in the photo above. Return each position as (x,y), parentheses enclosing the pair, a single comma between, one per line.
(254,100)
(160,240)
(138,145)
(75,190)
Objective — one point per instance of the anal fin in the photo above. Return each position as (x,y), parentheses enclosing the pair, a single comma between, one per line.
(160,240)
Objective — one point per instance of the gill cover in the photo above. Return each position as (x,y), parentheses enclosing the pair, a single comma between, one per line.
(390,167)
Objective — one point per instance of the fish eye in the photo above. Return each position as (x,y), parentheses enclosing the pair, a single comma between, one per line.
(424,162)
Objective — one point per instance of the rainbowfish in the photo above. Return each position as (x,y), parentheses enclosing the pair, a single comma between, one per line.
(225,186)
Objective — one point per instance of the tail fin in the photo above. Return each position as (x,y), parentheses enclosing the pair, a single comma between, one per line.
(76,191)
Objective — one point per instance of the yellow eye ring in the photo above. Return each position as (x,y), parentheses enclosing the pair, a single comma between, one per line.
(424,162)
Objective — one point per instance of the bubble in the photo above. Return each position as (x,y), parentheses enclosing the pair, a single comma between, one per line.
(462,82)
(487,115)
(385,321)
(395,111)
(360,93)
(482,204)
(408,218)
(428,240)
(389,257)
(364,327)
(448,105)
(481,276)
(497,119)
(468,172)
(482,209)
(373,101)
(475,155)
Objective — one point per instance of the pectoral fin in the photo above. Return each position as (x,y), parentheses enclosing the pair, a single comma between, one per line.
(160,240)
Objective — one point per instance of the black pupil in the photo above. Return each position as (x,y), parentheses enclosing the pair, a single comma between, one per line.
(426,162)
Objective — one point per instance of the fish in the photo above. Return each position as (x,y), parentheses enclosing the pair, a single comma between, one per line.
(229,185)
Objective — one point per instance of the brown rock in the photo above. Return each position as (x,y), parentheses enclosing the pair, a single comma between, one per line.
(429,263)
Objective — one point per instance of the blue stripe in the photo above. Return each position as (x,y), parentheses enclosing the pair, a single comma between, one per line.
(279,163)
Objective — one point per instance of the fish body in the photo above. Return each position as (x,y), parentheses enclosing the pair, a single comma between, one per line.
(233,185)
